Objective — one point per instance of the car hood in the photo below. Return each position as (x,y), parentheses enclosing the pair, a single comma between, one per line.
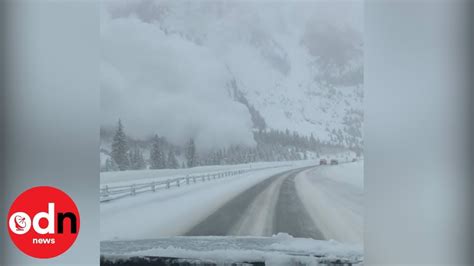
(280,249)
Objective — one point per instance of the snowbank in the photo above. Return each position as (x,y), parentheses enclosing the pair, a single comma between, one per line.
(144,176)
(281,249)
(349,173)
(173,212)
(333,196)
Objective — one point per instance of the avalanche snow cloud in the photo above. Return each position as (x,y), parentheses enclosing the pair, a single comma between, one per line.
(173,67)
(167,85)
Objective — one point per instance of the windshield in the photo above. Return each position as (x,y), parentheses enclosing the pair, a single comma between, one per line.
(231,131)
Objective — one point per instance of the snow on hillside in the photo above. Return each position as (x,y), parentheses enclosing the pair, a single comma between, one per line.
(292,89)
(299,65)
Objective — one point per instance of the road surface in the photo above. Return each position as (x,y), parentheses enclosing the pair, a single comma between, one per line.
(319,202)
(270,207)
(333,196)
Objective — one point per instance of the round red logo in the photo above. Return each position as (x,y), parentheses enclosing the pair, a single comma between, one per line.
(43,222)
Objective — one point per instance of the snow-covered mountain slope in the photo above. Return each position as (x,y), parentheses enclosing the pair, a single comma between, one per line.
(296,64)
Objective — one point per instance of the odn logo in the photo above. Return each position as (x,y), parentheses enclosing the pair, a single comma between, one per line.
(43,222)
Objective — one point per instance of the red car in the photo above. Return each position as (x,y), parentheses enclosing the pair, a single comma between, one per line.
(323,162)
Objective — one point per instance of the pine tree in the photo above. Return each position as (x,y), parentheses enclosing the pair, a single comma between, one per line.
(141,161)
(312,142)
(219,157)
(157,157)
(137,161)
(172,162)
(110,165)
(132,159)
(120,148)
(191,154)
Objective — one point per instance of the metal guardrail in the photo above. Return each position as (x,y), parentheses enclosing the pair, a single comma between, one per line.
(109,193)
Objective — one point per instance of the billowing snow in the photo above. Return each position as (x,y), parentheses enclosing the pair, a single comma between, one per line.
(333,196)
(186,53)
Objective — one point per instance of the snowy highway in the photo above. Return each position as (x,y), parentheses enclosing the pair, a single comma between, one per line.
(270,207)
(319,202)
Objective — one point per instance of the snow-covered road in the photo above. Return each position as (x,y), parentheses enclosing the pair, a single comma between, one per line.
(270,207)
(323,202)
(175,211)
(333,196)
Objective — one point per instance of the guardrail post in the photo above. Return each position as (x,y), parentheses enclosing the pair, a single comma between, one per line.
(177,183)
(168,183)
(153,188)
(194,179)
(132,190)
(187,180)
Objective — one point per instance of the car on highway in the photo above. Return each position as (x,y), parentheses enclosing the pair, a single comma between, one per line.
(334,162)
(323,162)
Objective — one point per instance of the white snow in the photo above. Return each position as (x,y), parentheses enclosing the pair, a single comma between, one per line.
(145,176)
(257,219)
(172,212)
(350,173)
(281,249)
(116,178)
(183,58)
(333,196)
